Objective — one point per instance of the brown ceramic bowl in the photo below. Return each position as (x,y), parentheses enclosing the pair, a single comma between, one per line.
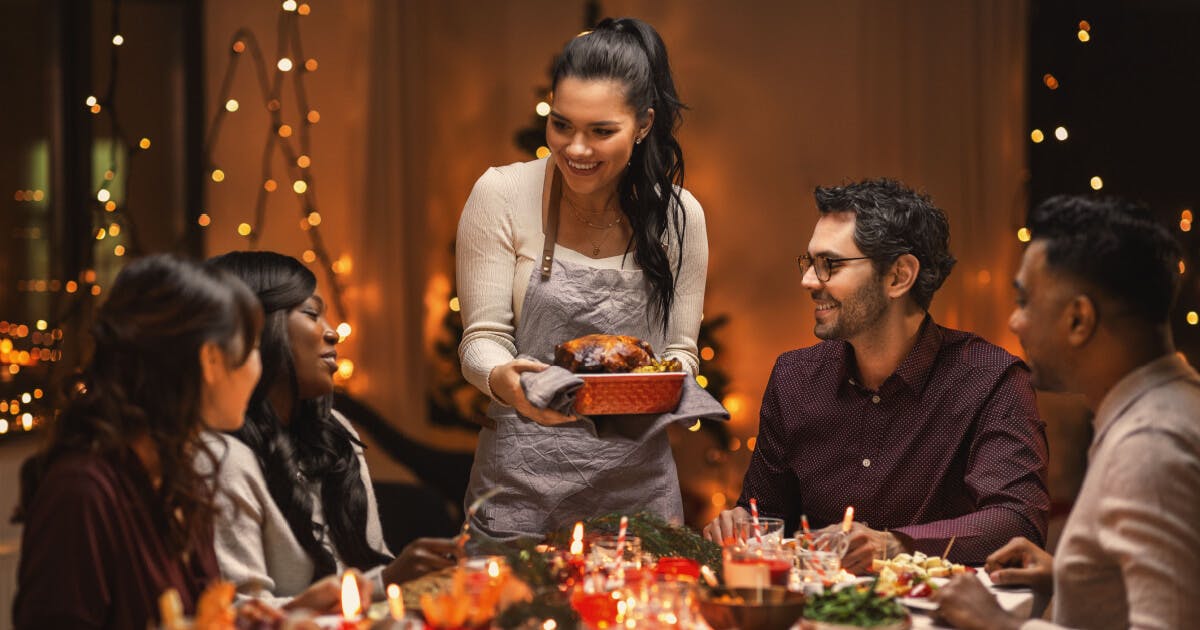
(773,608)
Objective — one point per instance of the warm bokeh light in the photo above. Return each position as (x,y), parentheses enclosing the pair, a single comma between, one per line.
(114,229)
(735,444)
(1186,214)
(1061,133)
(751,442)
(1023,235)
(144,143)
(542,108)
(95,289)
(313,116)
(100,234)
(218,175)
(71,286)
(1193,318)
(1185,225)
(303,161)
(308,256)
(304,9)
(984,277)
(299,186)
(707,353)
(231,105)
(1096,183)
(1084,36)
(40,325)
(542,152)
(285,131)
(244,229)
(117,40)
(1037,136)
(119,250)
(345,369)
(311,65)
(289,5)
(1050,81)
(718,499)
(270,185)
(695,427)
(103,195)
(204,219)
(91,100)
(314,219)
(702,380)
(284,64)
(95,109)
(455,305)
(344,330)
(239,47)
(1084,25)
(110,206)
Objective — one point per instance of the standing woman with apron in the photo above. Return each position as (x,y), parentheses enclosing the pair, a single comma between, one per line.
(598,238)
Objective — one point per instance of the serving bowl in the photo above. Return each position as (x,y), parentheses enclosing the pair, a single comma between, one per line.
(771,608)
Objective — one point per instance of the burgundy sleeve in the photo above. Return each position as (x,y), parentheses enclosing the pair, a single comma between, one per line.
(769,478)
(67,543)
(1006,473)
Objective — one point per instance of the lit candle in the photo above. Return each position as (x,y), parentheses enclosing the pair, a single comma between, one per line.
(351,602)
(577,540)
(848,520)
(395,602)
(708,575)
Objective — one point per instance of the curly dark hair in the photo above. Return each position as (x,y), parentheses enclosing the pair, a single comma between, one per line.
(892,220)
(630,51)
(313,447)
(144,379)
(1114,246)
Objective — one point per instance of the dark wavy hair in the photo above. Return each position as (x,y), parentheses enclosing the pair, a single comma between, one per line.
(631,52)
(313,448)
(144,379)
(891,220)
(1114,246)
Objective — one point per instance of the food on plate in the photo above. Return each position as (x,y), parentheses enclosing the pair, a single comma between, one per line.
(592,354)
(903,583)
(857,606)
(920,564)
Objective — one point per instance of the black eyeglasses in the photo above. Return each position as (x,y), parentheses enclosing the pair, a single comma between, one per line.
(822,264)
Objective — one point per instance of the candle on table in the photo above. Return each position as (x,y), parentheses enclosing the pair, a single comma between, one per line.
(577,540)
(351,602)
(848,520)
(395,602)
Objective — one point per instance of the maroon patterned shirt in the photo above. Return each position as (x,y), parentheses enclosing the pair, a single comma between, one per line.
(950,445)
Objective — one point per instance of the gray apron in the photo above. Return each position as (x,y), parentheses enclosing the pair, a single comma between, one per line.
(550,477)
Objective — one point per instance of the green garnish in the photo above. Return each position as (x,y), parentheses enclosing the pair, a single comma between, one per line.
(853,607)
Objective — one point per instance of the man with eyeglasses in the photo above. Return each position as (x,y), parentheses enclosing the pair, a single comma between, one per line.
(1094,297)
(930,433)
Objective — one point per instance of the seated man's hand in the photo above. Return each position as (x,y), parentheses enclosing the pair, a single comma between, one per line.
(1022,562)
(420,557)
(862,544)
(966,603)
(721,530)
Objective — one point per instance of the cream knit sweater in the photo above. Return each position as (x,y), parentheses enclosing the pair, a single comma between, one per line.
(500,238)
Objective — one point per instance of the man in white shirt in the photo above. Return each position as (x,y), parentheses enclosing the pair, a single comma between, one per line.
(1094,293)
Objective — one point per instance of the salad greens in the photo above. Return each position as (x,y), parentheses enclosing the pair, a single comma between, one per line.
(853,607)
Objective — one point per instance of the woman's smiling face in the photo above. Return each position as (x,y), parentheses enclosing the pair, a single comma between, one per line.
(314,348)
(591,133)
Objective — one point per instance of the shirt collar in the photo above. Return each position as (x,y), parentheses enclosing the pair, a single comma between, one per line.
(1131,387)
(914,370)
(917,365)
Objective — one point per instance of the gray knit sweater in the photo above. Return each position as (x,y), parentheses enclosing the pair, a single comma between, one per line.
(255,547)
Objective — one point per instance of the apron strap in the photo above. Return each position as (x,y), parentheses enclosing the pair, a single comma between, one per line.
(551,199)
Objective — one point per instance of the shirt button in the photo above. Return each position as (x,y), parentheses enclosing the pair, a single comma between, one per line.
(866,463)
(875,399)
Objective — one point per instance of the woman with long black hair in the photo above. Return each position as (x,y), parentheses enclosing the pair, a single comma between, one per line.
(296,502)
(114,511)
(600,237)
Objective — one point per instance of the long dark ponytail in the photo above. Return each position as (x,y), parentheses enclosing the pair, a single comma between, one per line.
(314,447)
(630,51)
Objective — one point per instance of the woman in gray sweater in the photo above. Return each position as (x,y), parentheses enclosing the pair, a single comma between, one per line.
(296,502)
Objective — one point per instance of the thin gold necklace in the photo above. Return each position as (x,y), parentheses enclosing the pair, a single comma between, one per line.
(604,229)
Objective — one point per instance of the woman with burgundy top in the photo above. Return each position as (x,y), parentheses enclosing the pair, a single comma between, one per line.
(113,508)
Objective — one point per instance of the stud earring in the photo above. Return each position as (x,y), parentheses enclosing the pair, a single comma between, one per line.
(638,140)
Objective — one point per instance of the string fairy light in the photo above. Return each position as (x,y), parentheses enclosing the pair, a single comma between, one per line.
(291,139)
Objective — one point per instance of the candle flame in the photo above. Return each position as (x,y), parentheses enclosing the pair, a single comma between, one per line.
(351,602)
(395,602)
(849,519)
(493,569)
(709,576)
(577,539)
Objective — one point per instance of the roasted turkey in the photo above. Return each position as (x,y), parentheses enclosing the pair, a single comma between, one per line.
(603,353)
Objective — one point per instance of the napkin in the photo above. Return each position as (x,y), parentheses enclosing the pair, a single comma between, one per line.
(555,388)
